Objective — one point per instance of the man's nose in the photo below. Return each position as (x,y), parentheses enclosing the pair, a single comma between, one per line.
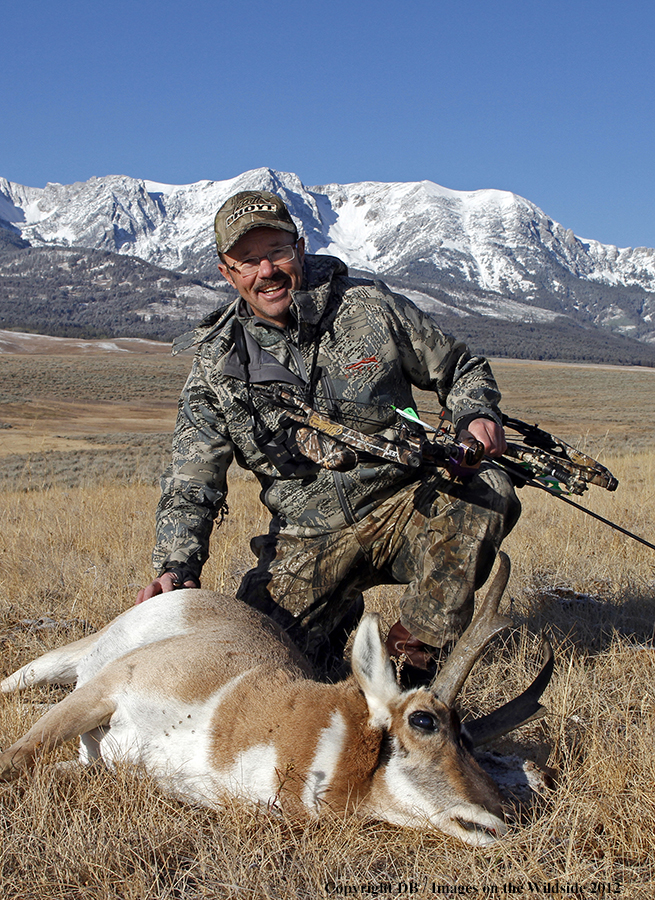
(266,267)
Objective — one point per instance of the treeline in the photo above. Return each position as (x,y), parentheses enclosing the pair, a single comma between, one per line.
(560,340)
(95,294)
(571,337)
(550,287)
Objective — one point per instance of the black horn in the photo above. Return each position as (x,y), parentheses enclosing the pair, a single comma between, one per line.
(522,709)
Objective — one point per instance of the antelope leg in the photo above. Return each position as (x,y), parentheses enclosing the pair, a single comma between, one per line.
(85,708)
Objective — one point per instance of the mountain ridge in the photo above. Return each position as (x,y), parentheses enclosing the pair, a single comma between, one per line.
(478,256)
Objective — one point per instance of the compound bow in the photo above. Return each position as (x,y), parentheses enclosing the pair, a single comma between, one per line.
(539,460)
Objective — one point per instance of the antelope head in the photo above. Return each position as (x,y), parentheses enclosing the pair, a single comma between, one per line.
(427,772)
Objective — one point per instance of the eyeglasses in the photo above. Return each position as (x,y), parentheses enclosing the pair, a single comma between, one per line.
(276,257)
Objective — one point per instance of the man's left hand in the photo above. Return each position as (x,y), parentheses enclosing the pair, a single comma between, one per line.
(490,434)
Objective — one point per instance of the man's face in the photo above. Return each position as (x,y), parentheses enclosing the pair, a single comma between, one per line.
(267,291)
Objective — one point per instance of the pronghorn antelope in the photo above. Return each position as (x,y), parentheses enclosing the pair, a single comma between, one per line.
(212,699)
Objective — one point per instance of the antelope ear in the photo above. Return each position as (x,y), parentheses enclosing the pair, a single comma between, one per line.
(374,672)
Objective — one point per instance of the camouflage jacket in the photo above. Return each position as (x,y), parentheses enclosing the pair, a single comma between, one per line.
(362,347)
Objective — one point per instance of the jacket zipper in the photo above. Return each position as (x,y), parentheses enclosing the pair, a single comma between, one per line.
(337,477)
(339,480)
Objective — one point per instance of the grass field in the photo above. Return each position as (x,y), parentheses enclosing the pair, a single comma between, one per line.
(78,466)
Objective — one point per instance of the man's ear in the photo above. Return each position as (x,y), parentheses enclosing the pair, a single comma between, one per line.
(225,272)
(300,245)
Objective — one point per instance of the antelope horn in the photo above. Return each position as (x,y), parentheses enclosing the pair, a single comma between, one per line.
(518,711)
(486,623)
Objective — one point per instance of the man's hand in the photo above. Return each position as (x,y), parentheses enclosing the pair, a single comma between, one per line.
(161,585)
(490,435)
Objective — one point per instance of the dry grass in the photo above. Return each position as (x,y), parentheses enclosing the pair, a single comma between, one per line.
(77,554)
(77,557)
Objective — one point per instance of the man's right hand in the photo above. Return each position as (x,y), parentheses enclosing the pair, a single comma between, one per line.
(161,585)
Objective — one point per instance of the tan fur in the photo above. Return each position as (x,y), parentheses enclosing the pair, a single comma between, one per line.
(280,713)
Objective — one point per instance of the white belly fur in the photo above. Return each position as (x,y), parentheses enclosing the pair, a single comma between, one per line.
(171,740)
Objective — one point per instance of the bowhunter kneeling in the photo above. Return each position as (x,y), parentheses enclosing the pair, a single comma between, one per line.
(302,335)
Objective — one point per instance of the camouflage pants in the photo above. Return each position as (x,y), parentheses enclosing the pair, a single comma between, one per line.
(437,536)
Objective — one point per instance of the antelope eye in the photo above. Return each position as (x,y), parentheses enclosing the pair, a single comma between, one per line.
(424,721)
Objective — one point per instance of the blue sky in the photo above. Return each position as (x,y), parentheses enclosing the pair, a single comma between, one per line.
(552,100)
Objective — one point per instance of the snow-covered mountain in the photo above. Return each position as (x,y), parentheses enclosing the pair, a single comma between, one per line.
(486,252)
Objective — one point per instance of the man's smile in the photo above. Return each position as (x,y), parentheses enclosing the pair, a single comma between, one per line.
(273,287)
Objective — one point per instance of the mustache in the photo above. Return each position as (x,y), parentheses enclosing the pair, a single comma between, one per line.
(276,281)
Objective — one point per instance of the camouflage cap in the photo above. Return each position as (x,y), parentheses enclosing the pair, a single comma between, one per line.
(246,210)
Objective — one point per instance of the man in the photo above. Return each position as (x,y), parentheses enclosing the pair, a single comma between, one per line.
(342,520)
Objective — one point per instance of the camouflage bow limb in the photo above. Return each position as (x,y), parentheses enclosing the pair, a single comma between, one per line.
(545,456)
(401,452)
